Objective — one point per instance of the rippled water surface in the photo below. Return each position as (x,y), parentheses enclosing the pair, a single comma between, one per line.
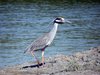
(20,24)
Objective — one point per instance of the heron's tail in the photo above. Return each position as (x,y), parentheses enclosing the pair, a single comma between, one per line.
(25,51)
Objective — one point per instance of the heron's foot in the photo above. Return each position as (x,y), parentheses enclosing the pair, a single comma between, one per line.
(43,63)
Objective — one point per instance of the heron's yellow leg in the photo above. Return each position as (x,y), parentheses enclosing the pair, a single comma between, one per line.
(35,57)
(32,53)
(43,57)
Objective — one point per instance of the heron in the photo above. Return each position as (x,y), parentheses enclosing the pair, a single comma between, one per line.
(41,43)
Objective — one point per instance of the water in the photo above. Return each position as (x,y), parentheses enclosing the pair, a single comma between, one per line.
(20,24)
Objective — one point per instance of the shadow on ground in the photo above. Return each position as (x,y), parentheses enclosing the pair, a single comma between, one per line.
(32,66)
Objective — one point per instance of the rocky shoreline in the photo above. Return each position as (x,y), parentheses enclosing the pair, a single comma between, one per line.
(81,63)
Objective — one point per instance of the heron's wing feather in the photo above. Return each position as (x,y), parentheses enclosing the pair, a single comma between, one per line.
(39,43)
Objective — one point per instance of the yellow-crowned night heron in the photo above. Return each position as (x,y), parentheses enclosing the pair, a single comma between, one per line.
(44,41)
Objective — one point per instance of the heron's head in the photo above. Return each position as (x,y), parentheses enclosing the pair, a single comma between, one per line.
(60,20)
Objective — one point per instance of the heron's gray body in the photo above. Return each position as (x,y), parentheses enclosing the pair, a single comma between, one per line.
(44,40)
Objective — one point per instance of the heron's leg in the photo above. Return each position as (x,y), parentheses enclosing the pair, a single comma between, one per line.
(35,57)
(43,57)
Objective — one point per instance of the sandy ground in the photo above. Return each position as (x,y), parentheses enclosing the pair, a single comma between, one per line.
(81,63)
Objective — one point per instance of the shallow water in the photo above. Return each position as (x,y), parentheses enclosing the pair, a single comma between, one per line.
(20,24)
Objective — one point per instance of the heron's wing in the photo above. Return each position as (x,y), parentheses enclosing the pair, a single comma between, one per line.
(39,43)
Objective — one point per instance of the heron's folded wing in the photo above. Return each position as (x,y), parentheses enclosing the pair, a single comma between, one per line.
(39,43)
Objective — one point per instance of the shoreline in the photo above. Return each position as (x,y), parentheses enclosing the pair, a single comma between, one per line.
(80,63)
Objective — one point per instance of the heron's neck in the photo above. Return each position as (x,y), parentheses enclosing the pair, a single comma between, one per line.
(52,33)
(56,25)
(54,29)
